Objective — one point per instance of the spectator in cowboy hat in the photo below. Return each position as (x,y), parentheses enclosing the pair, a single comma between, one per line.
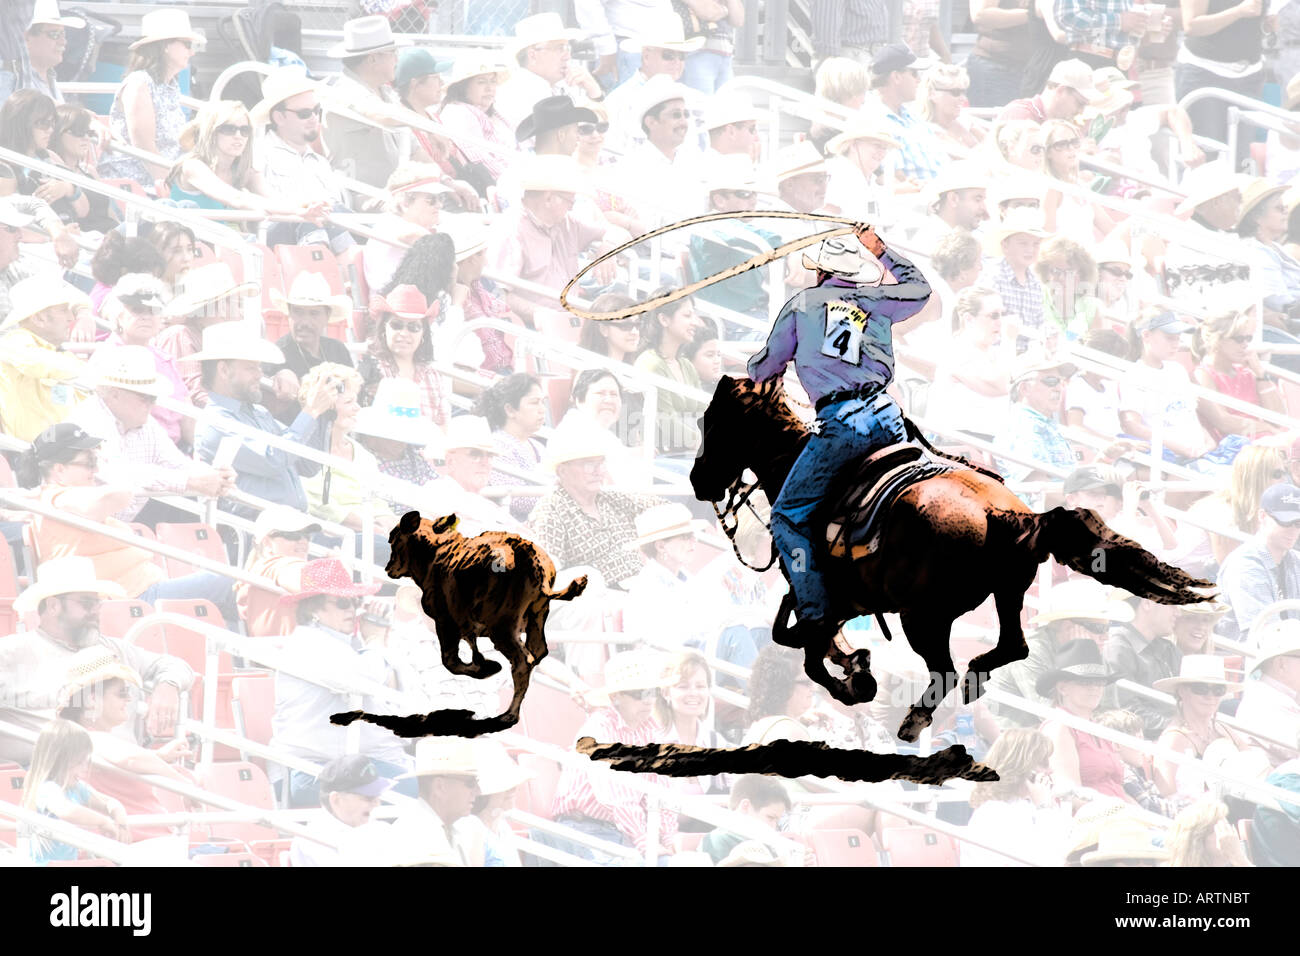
(1198,689)
(232,359)
(731,122)
(661,173)
(1125,842)
(401,343)
(36,378)
(853,158)
(446,769)
(1270,704)
(1265,568)
(1075,685)
(322,647)
(468,450)
(281,537)
(1033,430)
(470,117)
(1262,223)
(350,790)
(416,194)
(394,431)
(663,604)
(312,308)
(801,177)
(34,664)
(1070,88)
(485,834)
(959,202)
(663,49)
(553,126)
(46,42)
(1194,626)
(541,50)
(1016,240)
(1077,609)
(205,295)
(136,452)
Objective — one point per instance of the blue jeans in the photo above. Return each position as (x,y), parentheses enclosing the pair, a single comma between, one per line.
(992,83)
(848,431)
(199,586)
(706,71)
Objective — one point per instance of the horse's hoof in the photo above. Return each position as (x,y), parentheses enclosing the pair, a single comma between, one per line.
(858,669)
(917,719)
(486,668)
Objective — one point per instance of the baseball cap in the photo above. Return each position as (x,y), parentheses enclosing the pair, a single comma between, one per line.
(1076,75)
(60,443)
(1282,502)
(1165,322)
(1093,478)
(896,56)
(354,773)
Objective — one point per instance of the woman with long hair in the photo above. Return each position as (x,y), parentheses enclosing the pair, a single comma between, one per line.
(943,98)
(401,346)
(705,354)
(515,409)
(1198,690)
(27,122)
(683,710)
(1018,810)
(56,786)
(411,212)
(1064,214)
(1229,365)
(617,339)
(1235,505)
(1202,836)
(1068,274)
(779,694)
(177,245)
(74,142)
(667,329)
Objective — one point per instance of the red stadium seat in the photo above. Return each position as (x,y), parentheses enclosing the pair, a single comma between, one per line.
(551,716)
(313,258)
(11,791)
(917,846)
(191,646)
(8,590)
(146,532)
(841,847)
(272,851)
(557,393)
(229,859)
(689,842)
(117,617)
(195,537)
(245,782)
(540,790)
(253,704)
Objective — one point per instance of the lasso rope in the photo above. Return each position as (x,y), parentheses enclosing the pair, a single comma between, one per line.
(848,226)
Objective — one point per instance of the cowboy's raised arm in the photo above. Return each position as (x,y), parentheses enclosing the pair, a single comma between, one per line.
(770,361)
(911,281)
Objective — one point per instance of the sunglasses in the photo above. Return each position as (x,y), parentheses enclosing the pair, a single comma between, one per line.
(1094,627)
(53,34)
(1037,150)
(304,114)
(1241,339)
(1065,144)
(1207,690)
(91,462)
(188,44)
(672,56)
(477,454)
(397,325)
(1117,273)
(673,114)
(292,535)
(230,129)
(590,129)
(1051,381)
(643,693)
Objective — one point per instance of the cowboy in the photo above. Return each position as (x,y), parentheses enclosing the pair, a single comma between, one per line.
(312,308)
(350,790)
(34,664)
(446,769)
(663,49)
(393,429)
(47,39)
(468,451)
(541,48)
(553,127)
(136,452)
(664,603)
(35,376)
(1267,567)
(1270,704)
(838,335)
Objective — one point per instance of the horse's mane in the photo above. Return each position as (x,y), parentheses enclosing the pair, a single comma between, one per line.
(770,397)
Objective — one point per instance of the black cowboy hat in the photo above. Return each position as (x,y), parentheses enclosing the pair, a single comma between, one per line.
(552,113)
(1078,660)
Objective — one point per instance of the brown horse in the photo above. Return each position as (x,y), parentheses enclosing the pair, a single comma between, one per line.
(946,544)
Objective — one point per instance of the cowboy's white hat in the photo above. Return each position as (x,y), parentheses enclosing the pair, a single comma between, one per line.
(469,233)
(47,11)
(467,68)
(205,285)
(731,171)
(1112,250)
(70,575)
(1205,183)
(723,109)
(540,28)
(395,414)
(664,33)
(497,772)
(1198,669)
(633,670)
(1277,639)
(1081,598)
(284,84)
(1016,221)
(131,367)
(365,35)
(283,518)
(469,431)
(846,257)
(166,24)
(34,295)
(443,756)
(873,127)
(313,289)
(664,521)
(553,174)
(236,340)
(796,160)
(9,216)
(576,444)
(958,175)
(660,88)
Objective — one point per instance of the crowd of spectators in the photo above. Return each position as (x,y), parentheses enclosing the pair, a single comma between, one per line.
(338,301)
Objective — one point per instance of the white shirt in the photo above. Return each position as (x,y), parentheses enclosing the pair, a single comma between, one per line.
(1100,409)
(418,833)
(1035,833)
(1271,708)
(664,607)
(663,190)
(300,174)
(959,406)
(1165,394)
(609,19)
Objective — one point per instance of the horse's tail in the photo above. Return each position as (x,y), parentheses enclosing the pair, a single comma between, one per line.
(1080,540)
(570,590)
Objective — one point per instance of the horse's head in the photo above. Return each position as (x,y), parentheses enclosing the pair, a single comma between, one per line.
(728,429)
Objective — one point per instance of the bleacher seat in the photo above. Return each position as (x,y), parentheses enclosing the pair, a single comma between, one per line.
(11,791)
(253,704)
(146,532)
(312,258)
(246,782)
(191,646)
(196,537)
(229,859)
(274,852)
(841,847)
(551,716)
(117,617)
(917,846)
(540,790)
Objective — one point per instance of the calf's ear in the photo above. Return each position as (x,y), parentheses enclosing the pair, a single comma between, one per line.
(444,524)
(410,522)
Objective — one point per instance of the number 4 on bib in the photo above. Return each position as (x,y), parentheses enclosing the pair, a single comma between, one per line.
(845,329)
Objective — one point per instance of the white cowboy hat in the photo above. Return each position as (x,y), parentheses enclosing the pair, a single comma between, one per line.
(70,575)
(723,109)
(9,216)
(236,340)
(205,285)
(497,773)
(283,518)
(47,11)
(1205,183)
(664,521)
(633,670)
(469,233)
(166,25)
(576,444)
(1279,639)
(443,757)
(553,174)
(958,175)
(872,127)
(1198,669)
(1112,250)
(540,28)
(284,84)
(34,295)
(660,88)
(1081,598)
(313,289)
(665,33)
(797,159)
(846,257)
(1015,222)
(395,414)
(468,68)
(732,171)
(469,431)
(146,289)
(365,35)
(131,367)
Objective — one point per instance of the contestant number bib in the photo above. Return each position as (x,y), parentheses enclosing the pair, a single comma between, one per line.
(846,327)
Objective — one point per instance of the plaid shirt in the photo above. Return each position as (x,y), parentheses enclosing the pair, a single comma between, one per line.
(572,537)
(921,157)
(1024,299)
(1033,436)
(1093,21)
(411,467)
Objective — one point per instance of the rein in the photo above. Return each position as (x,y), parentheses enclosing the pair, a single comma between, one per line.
(738,495)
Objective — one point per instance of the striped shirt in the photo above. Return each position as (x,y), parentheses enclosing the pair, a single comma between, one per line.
(847,23)
(603,795)
(921,155)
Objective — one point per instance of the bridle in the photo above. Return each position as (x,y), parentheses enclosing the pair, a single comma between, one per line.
(736,497)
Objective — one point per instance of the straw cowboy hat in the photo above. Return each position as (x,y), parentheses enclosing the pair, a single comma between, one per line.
(846,257)
(797,159)
(1082,599)
(560,174)
(65,576)
(469,234)
(395,414)
(284,84)
(405,302)
(664,521)
(731,171)
(313,289)
(47,12)
(552,112)
(1206,183)
(470,432)
(131,367)
(1090,820)
(575,444)
(1279,639)
(328,576)
(236,341)
(283,518)
(1108,76)
(166,25)
(92,667)
(1124,839)
(1198,669)
(1257,191)
(497,773)
(468,68)
(365,35)
(633,670)
(444,757)
(9,216)
(1212,608)
(205,285)
(664,33)
(33,296)
(540,28)
(867,127)
(726,108)
(1078,660)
